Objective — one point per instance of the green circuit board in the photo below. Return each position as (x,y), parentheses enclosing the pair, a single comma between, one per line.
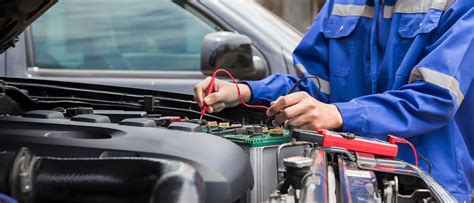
(249,135)
(259,140)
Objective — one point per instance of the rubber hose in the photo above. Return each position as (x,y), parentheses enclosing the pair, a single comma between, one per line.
(6,163)
(117,180)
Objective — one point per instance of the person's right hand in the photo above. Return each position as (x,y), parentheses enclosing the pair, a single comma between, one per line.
(225,95)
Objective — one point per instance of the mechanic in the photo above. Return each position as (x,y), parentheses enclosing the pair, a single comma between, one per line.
(384,67)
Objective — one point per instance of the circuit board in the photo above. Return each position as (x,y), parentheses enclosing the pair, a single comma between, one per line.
(248,135)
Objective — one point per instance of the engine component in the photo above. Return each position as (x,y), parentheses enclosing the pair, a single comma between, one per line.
(138,122)
(45,114)
(296,168)
(185,126)
(201,122)
(281,170)
(262,147)
(250,130)
(250,137)
(390,190)
(224,125)
(74,111)
(40,179)
(264,167)
(91,118)
(165,121)
(212,125)
(226,180)
(118,115)
(335,177)
(276,132)
(59,109)
(356,183)
(315,185)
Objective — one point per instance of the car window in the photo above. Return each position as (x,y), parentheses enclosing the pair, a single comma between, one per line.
(161,35)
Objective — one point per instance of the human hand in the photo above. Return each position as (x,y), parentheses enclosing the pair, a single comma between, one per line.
(303,111)
(225,95)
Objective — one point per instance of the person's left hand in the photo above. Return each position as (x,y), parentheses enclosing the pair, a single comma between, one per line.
(303,111)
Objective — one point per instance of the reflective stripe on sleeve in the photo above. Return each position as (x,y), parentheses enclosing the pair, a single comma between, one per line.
(416,6)
(300,70)
(353,10)
(388,11)
(325,85)
(421,6)
(440,79)
(402,6)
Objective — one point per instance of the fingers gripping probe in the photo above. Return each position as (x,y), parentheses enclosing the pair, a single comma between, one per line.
(210,89)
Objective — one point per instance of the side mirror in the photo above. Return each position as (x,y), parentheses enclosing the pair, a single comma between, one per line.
(233,52)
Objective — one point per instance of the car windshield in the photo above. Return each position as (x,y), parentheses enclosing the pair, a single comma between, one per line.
(143,35)
(268,22)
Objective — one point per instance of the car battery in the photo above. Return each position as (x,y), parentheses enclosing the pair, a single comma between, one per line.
(262,148)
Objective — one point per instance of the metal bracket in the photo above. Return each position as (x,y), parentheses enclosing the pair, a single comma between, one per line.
(21,175)
(292,143)
(339,150)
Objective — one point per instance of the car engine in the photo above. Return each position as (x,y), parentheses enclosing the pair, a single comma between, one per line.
(68,142)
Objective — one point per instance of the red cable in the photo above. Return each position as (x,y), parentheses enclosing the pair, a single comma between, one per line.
(210,89)
(393,139)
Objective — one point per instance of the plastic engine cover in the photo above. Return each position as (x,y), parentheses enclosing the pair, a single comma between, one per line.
(224,166)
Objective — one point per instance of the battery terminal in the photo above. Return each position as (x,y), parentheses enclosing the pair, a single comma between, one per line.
(212,123)
(224,125)
(276,132)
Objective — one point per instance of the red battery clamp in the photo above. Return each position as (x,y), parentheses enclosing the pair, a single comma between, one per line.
(348,141)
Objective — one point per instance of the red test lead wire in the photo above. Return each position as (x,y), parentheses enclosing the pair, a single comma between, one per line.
(393,139)
(210,89)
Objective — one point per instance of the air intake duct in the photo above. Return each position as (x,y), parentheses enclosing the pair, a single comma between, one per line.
(119,180)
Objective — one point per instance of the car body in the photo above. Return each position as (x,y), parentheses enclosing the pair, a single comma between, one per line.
(104,43)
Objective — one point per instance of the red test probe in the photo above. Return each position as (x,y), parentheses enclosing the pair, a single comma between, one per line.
(210,89)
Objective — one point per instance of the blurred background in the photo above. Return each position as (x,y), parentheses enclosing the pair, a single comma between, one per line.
(150,45)
(299,13)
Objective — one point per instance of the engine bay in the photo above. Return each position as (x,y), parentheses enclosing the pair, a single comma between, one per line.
(236,154)
(73,142)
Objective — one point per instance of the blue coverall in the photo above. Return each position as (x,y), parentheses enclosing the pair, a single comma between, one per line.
(395,67)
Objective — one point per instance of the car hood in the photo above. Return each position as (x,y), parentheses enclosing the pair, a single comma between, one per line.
(15,16)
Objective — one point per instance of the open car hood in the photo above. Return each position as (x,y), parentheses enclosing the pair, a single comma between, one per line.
(16,15)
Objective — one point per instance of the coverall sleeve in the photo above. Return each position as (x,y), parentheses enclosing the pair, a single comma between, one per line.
(435,89)
(311,52)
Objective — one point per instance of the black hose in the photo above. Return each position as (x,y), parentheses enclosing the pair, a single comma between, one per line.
(6,161)
(116,180)
(18,94)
